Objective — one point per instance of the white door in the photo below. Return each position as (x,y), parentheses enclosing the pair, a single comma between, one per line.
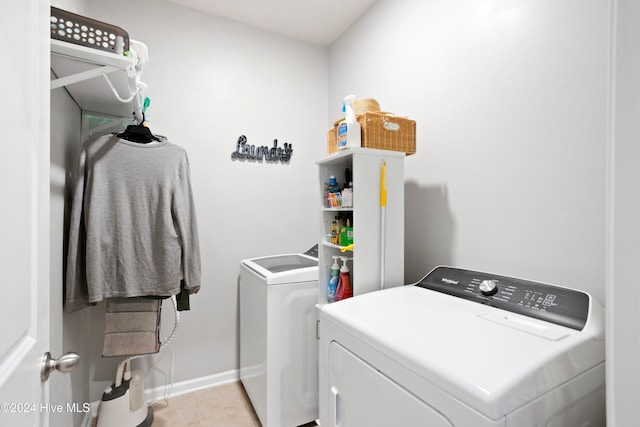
(349,406)
(24,216)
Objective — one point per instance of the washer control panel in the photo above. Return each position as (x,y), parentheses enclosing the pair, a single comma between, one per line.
(562,306)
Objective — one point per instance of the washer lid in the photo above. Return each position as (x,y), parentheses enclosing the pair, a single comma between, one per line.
(493,360)
(285,268)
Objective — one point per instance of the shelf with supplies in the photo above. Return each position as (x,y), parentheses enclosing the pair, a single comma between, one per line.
(376,258)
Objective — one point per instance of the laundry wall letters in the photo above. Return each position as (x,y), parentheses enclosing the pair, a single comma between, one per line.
(269,154)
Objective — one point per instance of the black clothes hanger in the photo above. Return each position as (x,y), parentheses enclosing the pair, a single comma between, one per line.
(138,133)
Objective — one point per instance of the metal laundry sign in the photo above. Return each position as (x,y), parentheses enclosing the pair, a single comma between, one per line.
(260,153)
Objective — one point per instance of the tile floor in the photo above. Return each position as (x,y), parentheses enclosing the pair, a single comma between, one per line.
(224,406)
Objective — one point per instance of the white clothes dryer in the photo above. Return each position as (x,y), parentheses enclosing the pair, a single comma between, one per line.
(466,349)
(278,338)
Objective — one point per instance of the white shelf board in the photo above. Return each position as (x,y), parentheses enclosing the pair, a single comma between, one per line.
(93,93)
(334,246)
(345,154)
(338,209)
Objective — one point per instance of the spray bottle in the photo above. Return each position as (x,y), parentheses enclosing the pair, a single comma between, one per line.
(344,290)
(333,280)
(349,129)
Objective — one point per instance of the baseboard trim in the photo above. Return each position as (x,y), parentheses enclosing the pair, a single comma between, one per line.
(158,393)
(183,387)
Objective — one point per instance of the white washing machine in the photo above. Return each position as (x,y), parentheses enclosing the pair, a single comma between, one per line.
(278,338)
(466,349)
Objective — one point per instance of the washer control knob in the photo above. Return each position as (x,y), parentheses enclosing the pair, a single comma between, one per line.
(488,287)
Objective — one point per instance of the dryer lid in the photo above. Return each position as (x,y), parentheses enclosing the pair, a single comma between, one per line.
(285,268)
(492,359)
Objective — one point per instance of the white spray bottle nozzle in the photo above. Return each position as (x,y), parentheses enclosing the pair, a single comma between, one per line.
(347,107)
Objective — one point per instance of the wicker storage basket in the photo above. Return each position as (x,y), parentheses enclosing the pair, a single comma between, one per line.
(332,142)
(383,131)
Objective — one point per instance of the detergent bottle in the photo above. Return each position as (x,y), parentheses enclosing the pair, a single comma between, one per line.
(349,133)
(333,280)
(344,290)
(346,234)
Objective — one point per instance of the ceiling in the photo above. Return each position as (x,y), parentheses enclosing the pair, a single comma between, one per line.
(319,22)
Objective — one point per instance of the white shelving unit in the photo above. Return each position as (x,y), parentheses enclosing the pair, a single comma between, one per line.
(366,215)
(80,70)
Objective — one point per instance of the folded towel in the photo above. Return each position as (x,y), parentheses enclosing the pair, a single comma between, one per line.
(131,327)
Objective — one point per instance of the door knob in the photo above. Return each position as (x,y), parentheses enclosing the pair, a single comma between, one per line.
(66,363)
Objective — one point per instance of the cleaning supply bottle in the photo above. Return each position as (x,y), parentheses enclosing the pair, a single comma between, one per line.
(333,280)
(334,187)
(349,134)
(346,234)
(335,230)
(344,290)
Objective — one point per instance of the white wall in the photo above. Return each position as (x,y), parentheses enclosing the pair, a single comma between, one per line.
(623,292)
(212,80)
(510,104)
(510,100)
(68,331)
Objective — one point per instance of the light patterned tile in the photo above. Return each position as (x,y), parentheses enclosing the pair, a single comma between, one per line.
(178,411)
(222,406)
(225,405)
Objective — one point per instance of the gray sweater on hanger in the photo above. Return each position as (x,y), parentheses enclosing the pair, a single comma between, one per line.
(133,228)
